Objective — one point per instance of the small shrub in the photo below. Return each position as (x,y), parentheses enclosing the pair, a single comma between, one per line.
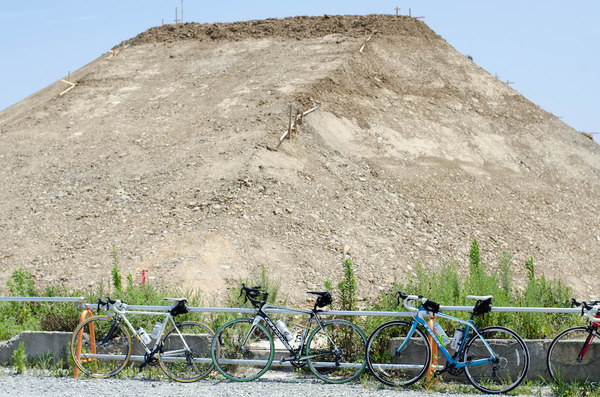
(543,293)
(348,289)
(16,317)
(116,275)
(234,299)
(21,283)
(445,285)
(19,359)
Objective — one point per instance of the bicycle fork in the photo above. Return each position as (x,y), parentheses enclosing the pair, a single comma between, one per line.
(586,345)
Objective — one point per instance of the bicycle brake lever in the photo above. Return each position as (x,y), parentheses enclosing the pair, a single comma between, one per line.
(242,293)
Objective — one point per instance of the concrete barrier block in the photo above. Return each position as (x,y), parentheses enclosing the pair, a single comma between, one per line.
(37,344)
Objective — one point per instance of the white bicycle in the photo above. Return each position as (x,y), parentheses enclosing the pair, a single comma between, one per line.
(101,345)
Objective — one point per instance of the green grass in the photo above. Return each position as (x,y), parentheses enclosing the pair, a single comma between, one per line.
(575,389)
(446,285)
(443,283)
(16,317)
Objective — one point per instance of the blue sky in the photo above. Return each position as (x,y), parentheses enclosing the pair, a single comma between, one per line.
(549,49)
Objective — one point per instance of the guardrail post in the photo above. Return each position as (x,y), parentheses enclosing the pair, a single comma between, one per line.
(434,358)
(84,314)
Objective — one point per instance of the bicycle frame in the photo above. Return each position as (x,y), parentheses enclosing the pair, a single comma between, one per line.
(297,353)
(119,315)
(452,360)
(591,336)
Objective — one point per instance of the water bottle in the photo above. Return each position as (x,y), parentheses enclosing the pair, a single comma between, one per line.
(284,330)
(441,334)
(156,330)
(144,335)
(457,338)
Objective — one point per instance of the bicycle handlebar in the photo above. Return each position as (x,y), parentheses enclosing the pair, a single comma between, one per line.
(589,309)
(428,305)
(109,303)
(252,293)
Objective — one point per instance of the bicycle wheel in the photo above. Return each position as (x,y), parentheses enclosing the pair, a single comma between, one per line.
(395,368)
(509,368)
(563,359)
(242,351)
(185,355)
(337,350)
(105,346)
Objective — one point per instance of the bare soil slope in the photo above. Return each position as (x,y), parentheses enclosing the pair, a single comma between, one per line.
(161,151)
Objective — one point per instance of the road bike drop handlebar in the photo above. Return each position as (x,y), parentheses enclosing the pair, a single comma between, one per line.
(251,294)
(428,305)
(106,305)
(589,309)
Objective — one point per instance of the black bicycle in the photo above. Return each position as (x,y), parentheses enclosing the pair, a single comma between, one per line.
(243,349)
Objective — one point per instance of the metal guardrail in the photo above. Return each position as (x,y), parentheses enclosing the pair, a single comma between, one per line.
(81,301)
(42,299)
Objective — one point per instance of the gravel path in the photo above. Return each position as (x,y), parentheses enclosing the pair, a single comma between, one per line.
(22,385)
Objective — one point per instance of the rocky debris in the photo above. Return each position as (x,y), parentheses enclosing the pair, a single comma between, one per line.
(296,28)
(161,151)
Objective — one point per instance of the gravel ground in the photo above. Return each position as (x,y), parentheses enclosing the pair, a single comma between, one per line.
(26,385)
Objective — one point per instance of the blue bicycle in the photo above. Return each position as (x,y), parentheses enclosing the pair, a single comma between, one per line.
(494,359)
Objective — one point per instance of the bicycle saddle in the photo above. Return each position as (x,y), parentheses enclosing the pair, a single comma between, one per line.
(318,293)
(175,300)
(480,298)
(323,298)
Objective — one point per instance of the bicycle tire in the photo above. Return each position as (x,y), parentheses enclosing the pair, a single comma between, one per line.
(191,361)
(401,369)
(346,360)
(562,362)
(508,371)
(241,361)
(106,353)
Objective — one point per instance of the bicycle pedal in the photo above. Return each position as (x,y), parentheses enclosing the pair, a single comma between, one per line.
(289,358)
(438,372)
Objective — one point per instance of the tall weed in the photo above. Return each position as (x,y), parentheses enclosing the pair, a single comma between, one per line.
(444,284)
(236,299)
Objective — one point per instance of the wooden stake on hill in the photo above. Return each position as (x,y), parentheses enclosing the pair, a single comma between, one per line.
(362,47)
(410,15)
(72,85)
(294,123)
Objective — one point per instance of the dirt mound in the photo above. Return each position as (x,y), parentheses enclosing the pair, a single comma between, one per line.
(297,28)
(161,151)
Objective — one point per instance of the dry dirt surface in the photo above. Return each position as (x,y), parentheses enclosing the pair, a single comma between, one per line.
(161,151)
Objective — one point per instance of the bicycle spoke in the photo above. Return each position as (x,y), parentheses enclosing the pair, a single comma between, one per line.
(337,351)
(565,360)
(105,347)
(185,355)
(393,367)
(507,370)
(241,351)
